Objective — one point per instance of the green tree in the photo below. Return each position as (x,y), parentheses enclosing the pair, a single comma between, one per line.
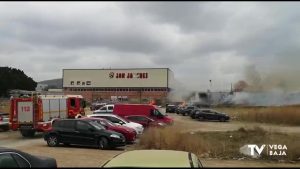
(12,78)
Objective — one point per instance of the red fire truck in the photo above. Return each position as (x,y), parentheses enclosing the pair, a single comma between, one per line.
(35,113)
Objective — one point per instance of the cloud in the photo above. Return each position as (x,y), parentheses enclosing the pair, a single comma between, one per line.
(199,41)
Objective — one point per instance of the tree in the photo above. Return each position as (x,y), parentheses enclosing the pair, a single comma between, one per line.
(12,78)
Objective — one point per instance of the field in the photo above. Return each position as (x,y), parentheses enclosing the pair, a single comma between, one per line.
(215,143)
(286,115)
(221,145)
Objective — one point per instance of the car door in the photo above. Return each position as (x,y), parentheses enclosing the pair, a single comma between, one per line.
(211,115)
(215,115)
(205,114)
(84,135)
(66,130)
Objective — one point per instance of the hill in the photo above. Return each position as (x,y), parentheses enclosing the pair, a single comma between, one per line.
(12,78)
(53,83)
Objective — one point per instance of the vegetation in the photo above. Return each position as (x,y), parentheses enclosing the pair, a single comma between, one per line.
(224,145)
(287,115)
(11,78)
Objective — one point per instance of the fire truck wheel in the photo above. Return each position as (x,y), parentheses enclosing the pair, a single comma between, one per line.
(27,133)
(103,143)
(52,141)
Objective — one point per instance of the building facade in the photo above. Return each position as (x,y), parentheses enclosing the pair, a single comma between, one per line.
(128,85)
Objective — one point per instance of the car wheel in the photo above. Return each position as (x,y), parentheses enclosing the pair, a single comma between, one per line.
(103,143)
(27,133)
(52,141)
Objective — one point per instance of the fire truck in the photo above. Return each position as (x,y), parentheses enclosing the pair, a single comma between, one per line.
(34,112)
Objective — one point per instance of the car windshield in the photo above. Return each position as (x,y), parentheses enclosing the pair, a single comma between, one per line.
(159,113)
(109,123)
(97,125)
(124,120)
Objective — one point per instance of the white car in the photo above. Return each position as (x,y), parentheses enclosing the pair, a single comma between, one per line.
(4,121)
(120,121)
(105,109)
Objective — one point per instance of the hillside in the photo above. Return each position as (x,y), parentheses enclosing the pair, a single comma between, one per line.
(12,78)
(53,83)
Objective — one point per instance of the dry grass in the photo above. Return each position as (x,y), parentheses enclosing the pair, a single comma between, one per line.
(223,145)
(288,115)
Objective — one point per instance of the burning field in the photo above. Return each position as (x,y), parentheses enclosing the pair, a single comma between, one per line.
(282,115)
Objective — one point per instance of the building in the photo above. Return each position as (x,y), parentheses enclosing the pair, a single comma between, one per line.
(138,85)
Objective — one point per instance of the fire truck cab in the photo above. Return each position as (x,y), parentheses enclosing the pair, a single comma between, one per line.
(36,113)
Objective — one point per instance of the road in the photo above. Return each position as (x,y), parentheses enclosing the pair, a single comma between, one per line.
(78,156)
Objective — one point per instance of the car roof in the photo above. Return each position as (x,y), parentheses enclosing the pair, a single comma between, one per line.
(102,114)
(150,158)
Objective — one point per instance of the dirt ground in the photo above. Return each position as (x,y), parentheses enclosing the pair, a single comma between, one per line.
(78,156)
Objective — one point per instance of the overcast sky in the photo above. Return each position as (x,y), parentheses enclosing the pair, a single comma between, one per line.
(198,41)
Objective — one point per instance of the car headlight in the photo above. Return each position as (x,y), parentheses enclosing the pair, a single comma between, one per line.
(115,136)
(161,124)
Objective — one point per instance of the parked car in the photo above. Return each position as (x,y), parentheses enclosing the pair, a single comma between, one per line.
(4,121)
(82,132)
(154,159)
(194,112)
(96,106)
(145,121)
(120,121)
(187,110)
(105,109)
(129,133)
(179,109)
(209,114)
(122,110)
(170,108)
(12,158)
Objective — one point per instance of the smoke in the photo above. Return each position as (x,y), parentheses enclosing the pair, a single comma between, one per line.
(271,98)
(273,89)
(179,92)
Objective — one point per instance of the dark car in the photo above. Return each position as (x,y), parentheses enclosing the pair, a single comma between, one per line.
(171,108)
(194,112)
(83,132)
(12,158)
(187,110)
(179,109)
(209,114)
(129,133)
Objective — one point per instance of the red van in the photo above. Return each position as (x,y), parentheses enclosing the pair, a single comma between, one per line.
(142,109)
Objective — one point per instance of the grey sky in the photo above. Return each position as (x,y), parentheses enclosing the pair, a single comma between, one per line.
(199,41)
